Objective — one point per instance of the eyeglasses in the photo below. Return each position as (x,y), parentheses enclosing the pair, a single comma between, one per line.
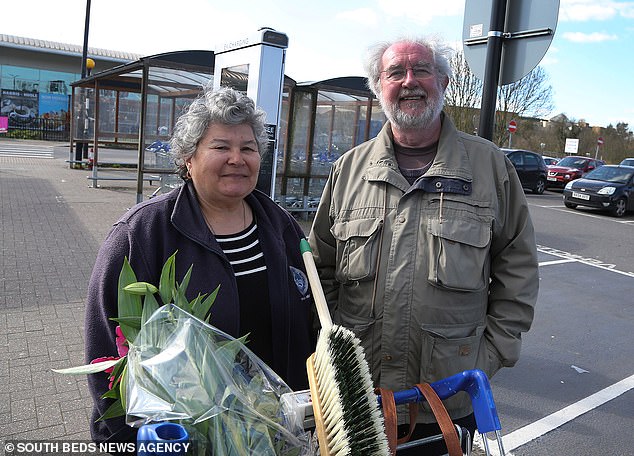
(398,74)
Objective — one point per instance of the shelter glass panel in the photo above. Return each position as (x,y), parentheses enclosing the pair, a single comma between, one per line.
(293,199)
(282,136)
(129,115)
(84,114)
(300,134)
(107,115)
(377,120)
(315,189)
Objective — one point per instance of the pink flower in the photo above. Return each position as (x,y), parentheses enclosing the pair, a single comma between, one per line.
(105,358)
(122,343)
(122,350)
(109,370)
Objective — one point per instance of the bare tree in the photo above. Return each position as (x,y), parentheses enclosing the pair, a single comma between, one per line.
(531,96)
(463,95)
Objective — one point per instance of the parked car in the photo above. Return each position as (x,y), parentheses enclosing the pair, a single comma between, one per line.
(570,168)
(609,187)
(627,162)
(530,168)
(550,160)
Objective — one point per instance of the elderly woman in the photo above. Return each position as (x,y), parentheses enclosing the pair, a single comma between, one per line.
(233,235)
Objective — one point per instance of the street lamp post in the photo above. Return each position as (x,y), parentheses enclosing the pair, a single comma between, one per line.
(81,147)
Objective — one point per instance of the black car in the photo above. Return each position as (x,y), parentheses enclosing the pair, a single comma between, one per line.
(609,187)
(530,167)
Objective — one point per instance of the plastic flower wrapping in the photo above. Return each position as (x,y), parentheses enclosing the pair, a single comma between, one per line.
(174,366)
(184,370)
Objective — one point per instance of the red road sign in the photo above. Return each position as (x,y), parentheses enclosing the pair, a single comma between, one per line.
(600,141)
(512,126)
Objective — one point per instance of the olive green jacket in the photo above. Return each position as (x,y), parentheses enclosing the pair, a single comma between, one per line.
(434,278)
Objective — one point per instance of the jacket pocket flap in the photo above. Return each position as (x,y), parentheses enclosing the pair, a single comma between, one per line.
(463,231)
(355,228)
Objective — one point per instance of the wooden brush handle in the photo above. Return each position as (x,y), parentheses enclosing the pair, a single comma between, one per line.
(315,285)
(322,438)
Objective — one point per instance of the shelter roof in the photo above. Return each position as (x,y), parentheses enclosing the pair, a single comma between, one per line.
(168,73)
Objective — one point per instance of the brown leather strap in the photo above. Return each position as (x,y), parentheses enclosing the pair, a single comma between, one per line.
(444,421)
(389,417)
(413,412)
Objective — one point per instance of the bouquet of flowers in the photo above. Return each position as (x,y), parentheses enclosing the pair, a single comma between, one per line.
(174,366)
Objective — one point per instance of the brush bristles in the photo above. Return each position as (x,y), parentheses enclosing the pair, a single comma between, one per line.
(352,419)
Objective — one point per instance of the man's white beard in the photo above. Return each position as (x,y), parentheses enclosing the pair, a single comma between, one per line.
(405,121)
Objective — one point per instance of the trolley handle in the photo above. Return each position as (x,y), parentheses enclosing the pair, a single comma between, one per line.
(475,383)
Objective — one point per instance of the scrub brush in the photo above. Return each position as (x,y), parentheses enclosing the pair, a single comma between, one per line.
(347,417)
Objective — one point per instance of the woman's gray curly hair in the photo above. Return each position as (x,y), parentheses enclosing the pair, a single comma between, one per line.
(441,53)
(222,106)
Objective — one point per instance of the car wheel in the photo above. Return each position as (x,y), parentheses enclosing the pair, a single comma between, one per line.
(619,207)
(540,186)
(570,205)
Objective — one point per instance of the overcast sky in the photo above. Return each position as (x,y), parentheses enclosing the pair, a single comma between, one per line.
(590,61)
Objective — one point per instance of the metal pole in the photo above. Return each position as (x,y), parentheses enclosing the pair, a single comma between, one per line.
(81,145)
(492,69)
(85,48)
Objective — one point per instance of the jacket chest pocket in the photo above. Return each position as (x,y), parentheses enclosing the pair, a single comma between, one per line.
(357,249)
(459,253)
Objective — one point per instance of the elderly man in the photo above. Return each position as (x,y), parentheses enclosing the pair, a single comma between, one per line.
(423,239)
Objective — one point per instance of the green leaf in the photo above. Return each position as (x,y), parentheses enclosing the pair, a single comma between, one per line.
(111,394)
(128,305)
(115,410)
(134,322)
(167,283)
(87,368)
(188,275)
(118,368)
(150,305)
(141,288)
(123,383)
(181,300)
(200,310)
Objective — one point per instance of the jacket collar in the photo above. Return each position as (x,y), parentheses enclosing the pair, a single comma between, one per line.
(451,162)
(187,216)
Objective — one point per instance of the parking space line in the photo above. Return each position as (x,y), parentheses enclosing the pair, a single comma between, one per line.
(587,261)
(526,434)
(549,263)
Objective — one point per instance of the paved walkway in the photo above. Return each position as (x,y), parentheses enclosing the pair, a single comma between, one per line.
(51,226)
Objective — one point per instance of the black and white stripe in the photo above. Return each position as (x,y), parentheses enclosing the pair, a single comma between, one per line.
(244,251)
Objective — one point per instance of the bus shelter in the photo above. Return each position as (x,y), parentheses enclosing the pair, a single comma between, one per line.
(323,120)
(132,109)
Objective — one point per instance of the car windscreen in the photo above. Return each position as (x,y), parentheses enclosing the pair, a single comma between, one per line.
(612,174)
(572,162)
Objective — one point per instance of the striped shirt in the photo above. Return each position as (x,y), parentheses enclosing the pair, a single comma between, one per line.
(245,254)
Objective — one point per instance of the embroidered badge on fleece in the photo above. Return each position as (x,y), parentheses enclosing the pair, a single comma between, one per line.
(301,281)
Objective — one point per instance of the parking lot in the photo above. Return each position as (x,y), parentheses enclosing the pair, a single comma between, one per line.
(570,394)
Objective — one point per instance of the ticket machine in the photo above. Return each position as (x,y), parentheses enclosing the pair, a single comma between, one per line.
(255,66)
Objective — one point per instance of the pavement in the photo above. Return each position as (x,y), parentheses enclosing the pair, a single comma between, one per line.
(51,226)
(52,222)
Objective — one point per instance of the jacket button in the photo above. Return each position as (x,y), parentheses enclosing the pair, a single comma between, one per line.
(400,219)
(387,357)
(465,187)
(438,184)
